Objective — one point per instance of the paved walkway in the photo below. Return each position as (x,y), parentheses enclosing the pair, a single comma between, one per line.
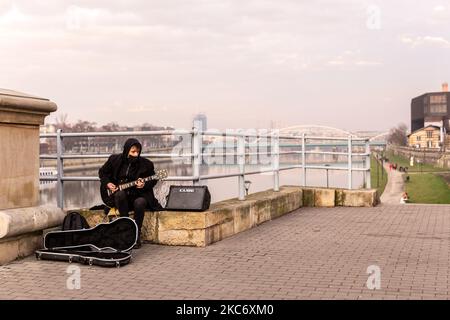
(312,253)
(394,188)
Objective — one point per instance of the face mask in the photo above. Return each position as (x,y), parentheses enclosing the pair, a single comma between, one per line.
(132,159)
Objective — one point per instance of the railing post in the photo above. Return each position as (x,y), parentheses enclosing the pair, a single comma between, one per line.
(367,173)
(303,160)
(349,156)
(241,163)
(196,150)
(60,170)
(276,161)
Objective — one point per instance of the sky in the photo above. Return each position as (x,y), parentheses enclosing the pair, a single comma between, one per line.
(350,64)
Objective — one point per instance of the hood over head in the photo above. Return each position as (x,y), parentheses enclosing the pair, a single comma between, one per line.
(127,146)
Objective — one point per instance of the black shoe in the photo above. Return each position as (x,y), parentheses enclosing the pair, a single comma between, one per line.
(138,244)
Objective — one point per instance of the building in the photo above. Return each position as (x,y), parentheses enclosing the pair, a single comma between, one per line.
(428,137)
(200,122)
(431,109)
(47,145)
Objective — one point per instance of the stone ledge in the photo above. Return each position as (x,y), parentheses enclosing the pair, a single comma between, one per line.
(360,198)
(22,229)
(19,246)
(324,198)
(331,197)
(19,221)
(223,219)
(27,105)
(17,107)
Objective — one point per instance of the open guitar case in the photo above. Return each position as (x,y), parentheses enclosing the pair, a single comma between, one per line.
(106,245)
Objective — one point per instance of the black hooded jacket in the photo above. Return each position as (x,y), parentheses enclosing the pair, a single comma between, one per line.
(119,167)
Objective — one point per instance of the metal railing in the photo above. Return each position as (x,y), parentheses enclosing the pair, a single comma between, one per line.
(196,155)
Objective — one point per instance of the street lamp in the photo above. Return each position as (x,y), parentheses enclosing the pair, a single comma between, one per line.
(423,162)
(247,184)
(327,165)
(378,170)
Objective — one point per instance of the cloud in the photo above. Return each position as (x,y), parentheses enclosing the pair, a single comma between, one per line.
(210,54)
(437,41)
(140,109)
(440,16)
(68,17)
(351,58)
(13,17)
(419,41)
(77,17)
(337,62)
(439,8)
(367,63)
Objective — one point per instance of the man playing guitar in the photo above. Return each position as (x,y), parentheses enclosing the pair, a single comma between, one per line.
(122,169)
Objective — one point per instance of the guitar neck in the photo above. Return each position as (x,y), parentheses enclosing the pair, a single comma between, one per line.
(133,183)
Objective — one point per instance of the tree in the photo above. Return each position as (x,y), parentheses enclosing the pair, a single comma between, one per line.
(398,135)
(110,127)
(62,123)
(111,143)
(106,143)
(84,126)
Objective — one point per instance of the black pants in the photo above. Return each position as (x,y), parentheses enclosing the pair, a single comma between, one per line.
(125,203)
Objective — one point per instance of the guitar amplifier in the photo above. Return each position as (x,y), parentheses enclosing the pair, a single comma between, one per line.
(188,198)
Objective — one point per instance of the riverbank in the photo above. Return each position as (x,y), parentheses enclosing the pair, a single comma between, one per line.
(417,167)
(428,188)
(425,183)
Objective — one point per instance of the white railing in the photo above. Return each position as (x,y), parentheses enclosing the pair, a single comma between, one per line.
(196,154)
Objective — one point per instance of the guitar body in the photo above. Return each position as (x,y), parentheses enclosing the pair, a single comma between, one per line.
(108,196)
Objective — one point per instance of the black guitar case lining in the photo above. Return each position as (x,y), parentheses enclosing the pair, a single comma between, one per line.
(107,244)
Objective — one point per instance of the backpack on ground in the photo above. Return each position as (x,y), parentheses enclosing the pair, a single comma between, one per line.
(74,221)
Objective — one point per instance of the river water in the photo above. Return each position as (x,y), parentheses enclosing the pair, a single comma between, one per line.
(86,194)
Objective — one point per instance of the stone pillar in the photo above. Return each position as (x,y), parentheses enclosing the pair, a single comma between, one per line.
(21,219)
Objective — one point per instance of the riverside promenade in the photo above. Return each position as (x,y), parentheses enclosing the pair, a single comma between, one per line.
(311,253)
